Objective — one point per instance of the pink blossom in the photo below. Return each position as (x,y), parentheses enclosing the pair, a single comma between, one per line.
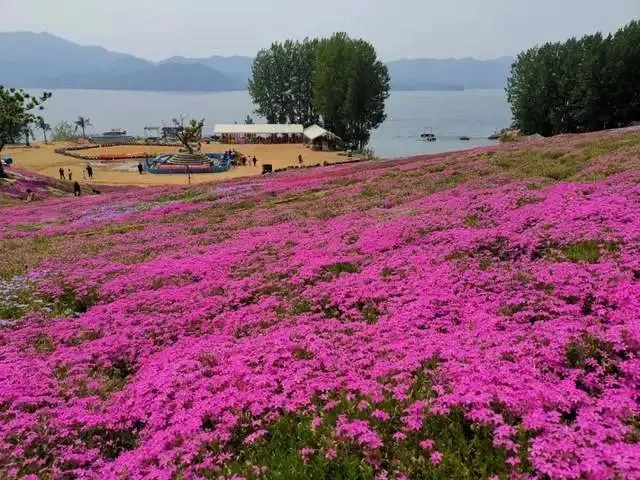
(436,458)
(427,444)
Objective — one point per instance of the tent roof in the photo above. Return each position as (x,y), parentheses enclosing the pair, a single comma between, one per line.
(315,131)
(258,128)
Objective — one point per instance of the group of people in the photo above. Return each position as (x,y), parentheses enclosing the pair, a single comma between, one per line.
(238,158)
(86,172)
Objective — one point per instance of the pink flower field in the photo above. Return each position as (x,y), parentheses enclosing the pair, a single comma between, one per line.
(473,315)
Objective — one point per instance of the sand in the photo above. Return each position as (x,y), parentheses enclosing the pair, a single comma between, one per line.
(41,158)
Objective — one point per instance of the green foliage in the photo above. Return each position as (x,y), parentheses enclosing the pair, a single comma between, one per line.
(302,306)
(82,123)
(337,79)
(63,132)
(633,434)
(43,344)
(472,220)
(189,134)
(581,352)
(351,87)
(111,443)
(387,272)
(69,302)
(16,114)
(370,312)
(585,251)
(282,82)
(467,449)
(580,85)
(338,268)
(44,126)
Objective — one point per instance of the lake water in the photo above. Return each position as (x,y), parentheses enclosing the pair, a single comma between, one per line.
(473,113)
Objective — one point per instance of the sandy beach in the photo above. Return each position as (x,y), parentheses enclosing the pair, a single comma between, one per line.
(41,158)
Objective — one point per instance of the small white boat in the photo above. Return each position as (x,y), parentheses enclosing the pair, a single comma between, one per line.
(428,136)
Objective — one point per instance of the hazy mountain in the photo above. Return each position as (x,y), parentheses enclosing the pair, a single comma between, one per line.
(42,60)
(464,73)
(165,77)
(237,67)
(26,58)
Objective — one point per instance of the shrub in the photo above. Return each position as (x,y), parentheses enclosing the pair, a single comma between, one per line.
(64,132)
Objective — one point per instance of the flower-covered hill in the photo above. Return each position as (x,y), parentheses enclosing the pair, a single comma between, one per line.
(17,185)
(464,316)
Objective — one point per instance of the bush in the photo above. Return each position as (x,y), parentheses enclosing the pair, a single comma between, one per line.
(64,132)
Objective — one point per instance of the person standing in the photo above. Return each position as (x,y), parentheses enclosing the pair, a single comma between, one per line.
(70,175)
(61,172)
(140,168)
(300,159)
(254,160)
(90,171)
(76,189)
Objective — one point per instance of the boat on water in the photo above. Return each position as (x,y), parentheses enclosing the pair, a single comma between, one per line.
(465,138)
(112,136)
(428,136)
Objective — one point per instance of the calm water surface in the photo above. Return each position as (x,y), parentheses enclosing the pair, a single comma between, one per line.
(473,113)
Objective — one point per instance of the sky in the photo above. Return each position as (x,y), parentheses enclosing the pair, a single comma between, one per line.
(157,29)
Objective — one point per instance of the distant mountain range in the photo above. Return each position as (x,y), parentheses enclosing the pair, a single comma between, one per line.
(449,74)
(42,60)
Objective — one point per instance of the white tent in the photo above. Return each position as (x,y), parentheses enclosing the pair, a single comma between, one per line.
(258,129)
(315,131)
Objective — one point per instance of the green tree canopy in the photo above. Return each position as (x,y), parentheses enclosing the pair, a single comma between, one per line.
(579,85)
(17,109)
(351,87)
(189,133)
(44,126)
(82,123)
(337,81)
(282,82)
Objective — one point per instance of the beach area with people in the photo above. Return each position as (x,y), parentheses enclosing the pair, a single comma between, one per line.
(42,158)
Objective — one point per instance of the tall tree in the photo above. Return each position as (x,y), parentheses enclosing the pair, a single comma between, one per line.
(303,66)
(44,126)
(268,85)
(578,85)
(350,87)
(281,86)
(82,123)
(17,113)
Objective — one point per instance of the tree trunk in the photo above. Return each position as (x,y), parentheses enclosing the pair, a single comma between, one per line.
(83,134)
(44,134)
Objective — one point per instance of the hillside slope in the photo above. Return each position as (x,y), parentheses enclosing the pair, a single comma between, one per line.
(472,315)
